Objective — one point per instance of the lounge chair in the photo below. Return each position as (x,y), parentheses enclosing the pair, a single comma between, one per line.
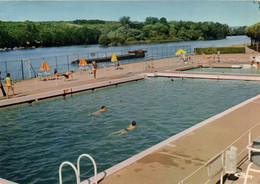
(254,157)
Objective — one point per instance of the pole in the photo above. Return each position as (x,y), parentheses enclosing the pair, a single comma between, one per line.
(22,69)
(5,66)
(68,62)
(56,62)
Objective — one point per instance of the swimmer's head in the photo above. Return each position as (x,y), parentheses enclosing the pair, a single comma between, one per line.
(103,107)
(133,123)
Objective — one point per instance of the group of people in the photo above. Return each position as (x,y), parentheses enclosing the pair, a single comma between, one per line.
(69,74)
(120,132)
(9,85)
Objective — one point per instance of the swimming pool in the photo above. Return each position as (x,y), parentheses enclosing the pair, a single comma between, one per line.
(245,70)
(35,139)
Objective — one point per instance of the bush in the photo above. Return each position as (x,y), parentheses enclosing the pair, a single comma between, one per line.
(104,40)
(222,50)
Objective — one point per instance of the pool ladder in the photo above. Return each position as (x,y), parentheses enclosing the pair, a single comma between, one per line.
(77,170)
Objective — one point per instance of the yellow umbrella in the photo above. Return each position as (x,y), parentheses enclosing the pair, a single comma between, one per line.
(44,66)
(180,51)
(82,62)
(114,58)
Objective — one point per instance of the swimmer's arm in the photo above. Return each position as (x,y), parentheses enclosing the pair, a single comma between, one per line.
(100,110)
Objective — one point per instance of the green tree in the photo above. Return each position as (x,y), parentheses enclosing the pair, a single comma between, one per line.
(104,40)
(125,21)
(163,21)
(146,30)
(151,20)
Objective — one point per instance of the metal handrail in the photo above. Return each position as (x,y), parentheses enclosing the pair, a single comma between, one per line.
(248,131)
(77,170)
(94,163)
(74,168)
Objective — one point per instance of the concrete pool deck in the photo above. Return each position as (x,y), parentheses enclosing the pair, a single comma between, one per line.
(173,159)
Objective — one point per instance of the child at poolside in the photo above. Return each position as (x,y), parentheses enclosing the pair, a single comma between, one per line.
(55,73)
(94,69)
(123,131)
(9,84)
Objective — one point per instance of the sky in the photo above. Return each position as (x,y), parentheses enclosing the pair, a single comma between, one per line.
(233,13)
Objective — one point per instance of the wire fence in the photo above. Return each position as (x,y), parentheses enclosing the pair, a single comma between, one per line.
(26,68)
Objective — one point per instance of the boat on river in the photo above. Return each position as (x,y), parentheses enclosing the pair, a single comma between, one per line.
(132,54)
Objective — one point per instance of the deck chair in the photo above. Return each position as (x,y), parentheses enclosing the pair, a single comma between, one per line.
(254,157)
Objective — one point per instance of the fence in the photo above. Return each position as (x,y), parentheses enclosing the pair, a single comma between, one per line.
(26,68)
(85,76)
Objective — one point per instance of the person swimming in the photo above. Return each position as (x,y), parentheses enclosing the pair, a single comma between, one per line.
(103,108)
(123,131)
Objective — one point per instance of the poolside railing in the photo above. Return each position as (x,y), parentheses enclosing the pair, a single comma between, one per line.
(77,169)
(214,169)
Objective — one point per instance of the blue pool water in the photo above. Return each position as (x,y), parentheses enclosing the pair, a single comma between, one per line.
(244,70)
(35,139)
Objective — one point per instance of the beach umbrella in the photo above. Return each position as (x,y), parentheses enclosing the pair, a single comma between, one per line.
(44,66)
(180,51)
(114,58)
(82,62)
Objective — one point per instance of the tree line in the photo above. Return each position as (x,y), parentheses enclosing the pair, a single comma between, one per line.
(253,32)
(155,30)
(107,33)
(45,34)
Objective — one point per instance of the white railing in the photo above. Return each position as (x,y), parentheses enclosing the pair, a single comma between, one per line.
(94,164)
(220,154)
(77,170)
(73,167)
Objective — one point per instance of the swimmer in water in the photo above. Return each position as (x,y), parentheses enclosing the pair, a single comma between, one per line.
(123,131)
(103,108)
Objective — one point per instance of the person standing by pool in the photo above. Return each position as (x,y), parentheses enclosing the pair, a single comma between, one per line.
(55,73)
(2,87)
(123,131)
(9,84)
(94,69)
